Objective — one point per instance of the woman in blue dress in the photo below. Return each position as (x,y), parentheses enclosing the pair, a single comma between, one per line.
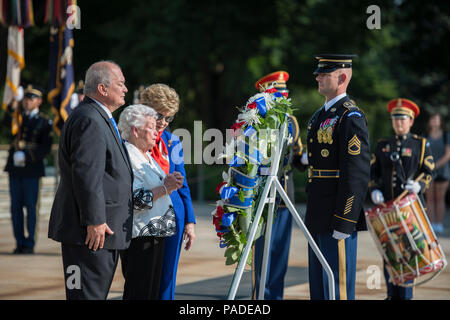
(168,153)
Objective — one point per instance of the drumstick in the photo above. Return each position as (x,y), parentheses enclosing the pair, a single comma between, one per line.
(406,191)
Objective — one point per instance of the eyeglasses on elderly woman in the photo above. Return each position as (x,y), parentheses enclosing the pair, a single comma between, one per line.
(160,117)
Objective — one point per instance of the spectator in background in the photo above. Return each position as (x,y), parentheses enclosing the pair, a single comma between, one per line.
(168,153)
(439,141)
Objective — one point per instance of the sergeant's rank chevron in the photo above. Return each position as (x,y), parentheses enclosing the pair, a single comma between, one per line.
(429,162)
(348,205)
(354,146)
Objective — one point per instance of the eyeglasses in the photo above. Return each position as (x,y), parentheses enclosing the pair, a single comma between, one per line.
(168,119)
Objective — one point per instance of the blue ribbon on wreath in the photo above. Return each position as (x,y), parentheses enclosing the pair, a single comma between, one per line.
(253,156)
(237,161)
(261,105)
(237,203)
(277,95)
(243,180)
(228,192)
(228,218)
(250,132)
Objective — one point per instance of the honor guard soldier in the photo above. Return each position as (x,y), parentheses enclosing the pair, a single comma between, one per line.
(31,144)
(282,223)
(338,178)
(395,163)
(78,95)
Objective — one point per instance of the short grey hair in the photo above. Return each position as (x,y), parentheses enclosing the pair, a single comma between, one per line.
(134,115)
(98,72)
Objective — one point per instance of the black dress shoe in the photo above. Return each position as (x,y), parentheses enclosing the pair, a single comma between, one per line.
(27,250)
(18,250)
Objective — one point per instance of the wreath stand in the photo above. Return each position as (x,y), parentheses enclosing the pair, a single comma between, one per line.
(268,196)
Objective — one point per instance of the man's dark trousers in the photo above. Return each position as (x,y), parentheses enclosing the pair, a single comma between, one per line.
(88,274)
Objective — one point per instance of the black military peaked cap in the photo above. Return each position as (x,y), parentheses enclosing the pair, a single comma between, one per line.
(331,62)
(33,91)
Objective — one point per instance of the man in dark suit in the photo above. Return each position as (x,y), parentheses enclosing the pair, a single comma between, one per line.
(32,141)
(338,178)
(92,211)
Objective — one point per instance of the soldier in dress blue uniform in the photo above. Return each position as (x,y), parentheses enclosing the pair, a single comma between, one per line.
(338,178)
(282,223)
(395,163)
(25,165)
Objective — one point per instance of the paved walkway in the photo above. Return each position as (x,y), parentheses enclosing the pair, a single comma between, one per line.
(202,271)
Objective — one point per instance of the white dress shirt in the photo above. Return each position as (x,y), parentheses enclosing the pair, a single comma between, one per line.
(334,100)
(104,108)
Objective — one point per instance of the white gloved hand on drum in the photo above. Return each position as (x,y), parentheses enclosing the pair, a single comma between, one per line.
(413,186)
(377,196)
(340,235)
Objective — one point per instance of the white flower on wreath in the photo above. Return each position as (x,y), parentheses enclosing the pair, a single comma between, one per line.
(250,116)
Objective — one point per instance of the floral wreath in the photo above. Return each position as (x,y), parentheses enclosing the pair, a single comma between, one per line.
(254,138)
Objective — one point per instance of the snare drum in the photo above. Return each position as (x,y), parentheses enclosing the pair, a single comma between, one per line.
(403,235)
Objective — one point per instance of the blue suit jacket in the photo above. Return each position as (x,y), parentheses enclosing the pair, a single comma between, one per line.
(184,213)
(181,199)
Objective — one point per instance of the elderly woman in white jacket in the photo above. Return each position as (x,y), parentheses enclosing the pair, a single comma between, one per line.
(154,217)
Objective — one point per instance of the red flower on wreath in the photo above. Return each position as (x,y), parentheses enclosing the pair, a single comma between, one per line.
(237,125)
(252,105)
(220,186)
(217,218)
(235,128)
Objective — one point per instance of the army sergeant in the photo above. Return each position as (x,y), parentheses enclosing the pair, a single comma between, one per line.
(25,165)
(338,177)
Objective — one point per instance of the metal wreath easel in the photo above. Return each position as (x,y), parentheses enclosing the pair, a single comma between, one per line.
(273,187)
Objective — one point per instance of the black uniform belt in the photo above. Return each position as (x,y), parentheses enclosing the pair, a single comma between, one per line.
(318,173)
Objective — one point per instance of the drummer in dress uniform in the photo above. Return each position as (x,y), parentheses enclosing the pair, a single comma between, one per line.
(338,178)
(25,164)
(282,223)
(395,163)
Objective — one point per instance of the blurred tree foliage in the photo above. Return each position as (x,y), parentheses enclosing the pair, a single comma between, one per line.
(212,52)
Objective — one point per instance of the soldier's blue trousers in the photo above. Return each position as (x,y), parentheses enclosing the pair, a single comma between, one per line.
(278,256)
(24,192)
(341,257)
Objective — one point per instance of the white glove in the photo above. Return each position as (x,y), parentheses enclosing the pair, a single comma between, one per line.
(377,196)
(19,159)
(304,159)
(340,235)
(413,186)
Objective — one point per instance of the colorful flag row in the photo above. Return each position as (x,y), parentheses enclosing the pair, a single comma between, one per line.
(21,13)
(61,73)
